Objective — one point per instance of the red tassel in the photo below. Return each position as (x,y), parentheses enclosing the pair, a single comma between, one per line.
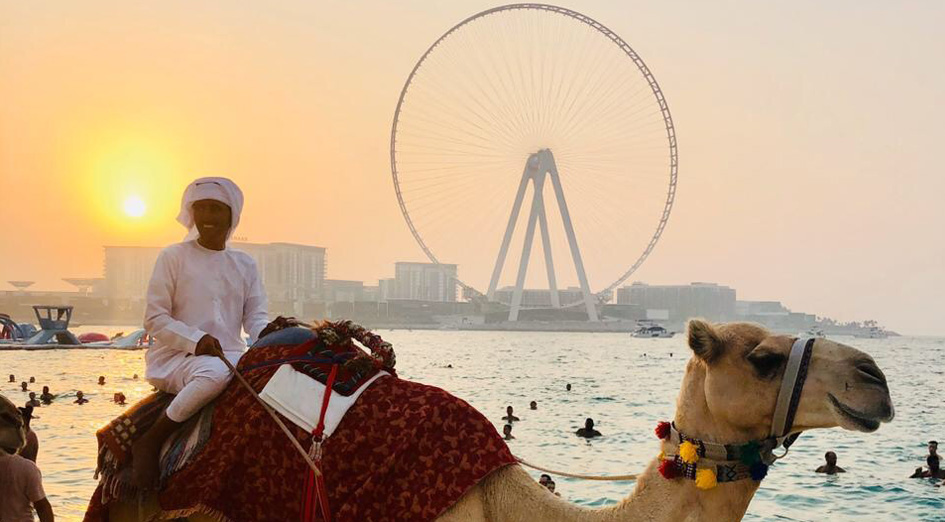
(662,430)
(668,469)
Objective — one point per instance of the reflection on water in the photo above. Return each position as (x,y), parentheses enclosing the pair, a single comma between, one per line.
(625,393)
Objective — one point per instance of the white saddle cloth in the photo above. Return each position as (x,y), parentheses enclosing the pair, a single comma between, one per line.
(299,398)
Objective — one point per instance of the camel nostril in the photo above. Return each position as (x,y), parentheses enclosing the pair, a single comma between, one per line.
(871,373)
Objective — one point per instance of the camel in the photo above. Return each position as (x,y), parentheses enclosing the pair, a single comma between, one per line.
(728,396)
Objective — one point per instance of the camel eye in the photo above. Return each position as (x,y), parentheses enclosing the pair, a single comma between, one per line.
(766,363)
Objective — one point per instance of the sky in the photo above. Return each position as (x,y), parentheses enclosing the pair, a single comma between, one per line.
(809,137)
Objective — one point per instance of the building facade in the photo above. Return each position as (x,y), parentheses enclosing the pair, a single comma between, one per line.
(291,273)
(677,303)
(540,298)
(425,281)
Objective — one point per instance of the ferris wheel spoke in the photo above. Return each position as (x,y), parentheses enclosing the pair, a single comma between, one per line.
(606,103)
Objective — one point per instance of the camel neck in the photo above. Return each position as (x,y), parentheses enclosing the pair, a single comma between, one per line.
(695,419)
(658,499)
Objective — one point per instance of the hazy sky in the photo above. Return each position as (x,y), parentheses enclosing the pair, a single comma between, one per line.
(810,136)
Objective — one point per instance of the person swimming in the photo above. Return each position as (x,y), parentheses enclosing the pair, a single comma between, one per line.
(119,398)
(80,398)
(568,387)
(934,471)
(24,386)
(831,467)
(588,431)
(533,405)
(509,417)
(12,378)
(507,432)
(551,487)
(46,397)
(32,380)
(34,402)
(101,380)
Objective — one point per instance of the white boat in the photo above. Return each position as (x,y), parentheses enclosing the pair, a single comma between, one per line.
(873,332)
(652,331)
(814,332)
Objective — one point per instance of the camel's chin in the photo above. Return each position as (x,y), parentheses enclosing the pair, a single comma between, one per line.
(852,419)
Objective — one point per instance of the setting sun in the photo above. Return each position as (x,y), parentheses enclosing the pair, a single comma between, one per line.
(134,206)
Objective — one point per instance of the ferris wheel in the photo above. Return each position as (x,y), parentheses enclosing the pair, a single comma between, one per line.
(534,101)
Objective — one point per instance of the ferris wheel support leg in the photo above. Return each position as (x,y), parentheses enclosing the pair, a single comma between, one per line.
(548,164)
(530,164)
(527,248)
(546,243)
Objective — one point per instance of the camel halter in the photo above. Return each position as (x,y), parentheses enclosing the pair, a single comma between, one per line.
(709,463)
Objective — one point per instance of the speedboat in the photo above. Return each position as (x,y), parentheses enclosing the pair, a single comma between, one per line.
(873,332)
(814,332)
(653,331)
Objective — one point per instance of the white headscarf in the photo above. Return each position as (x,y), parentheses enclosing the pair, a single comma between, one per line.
(218,189)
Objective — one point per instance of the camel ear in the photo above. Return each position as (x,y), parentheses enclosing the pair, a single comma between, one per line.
(704,340)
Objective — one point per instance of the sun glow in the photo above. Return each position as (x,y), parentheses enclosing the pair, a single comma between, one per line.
(134,206)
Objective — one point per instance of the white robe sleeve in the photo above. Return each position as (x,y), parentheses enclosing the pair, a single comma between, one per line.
(255,316)
(169,332)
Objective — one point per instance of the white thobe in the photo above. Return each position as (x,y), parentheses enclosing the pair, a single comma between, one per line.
(196,291)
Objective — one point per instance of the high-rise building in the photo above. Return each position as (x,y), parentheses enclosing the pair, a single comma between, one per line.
(540,298)
(128,270)
(680,302)
(291,273)
(339,290)
(425,281)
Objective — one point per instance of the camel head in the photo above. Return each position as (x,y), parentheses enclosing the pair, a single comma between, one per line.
(12,428)
(732,382)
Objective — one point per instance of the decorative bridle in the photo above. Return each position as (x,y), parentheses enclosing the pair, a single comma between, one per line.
(709,463)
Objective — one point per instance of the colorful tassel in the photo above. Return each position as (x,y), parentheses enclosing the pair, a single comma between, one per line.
(662,430)
(668,469)
(689,452)
(759,470)
(705,478)
(662,455)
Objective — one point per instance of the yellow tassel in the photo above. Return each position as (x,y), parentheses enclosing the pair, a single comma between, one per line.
(662,456)
(688,452)
(705,478)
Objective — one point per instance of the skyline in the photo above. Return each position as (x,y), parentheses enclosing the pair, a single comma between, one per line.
(806,143)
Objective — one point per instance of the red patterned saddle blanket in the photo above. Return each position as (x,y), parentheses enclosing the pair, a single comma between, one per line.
(403,452)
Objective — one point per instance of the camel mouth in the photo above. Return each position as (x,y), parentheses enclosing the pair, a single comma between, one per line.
(856,420)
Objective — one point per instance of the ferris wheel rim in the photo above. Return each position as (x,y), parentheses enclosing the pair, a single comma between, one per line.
(641,66)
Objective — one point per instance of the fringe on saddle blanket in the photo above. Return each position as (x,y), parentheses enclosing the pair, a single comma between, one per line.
(403,452)
(115,440)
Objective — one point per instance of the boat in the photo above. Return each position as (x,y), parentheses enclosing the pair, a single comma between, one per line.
(652,331)
(814,332)
(873,332)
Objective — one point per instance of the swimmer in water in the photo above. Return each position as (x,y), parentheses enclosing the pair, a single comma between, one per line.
(831,467)
(509,417)
(588,431)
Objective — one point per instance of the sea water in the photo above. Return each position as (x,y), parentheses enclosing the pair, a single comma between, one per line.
(626,385)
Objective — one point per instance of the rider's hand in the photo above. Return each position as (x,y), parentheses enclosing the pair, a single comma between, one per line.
(209,345)
(278,324)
